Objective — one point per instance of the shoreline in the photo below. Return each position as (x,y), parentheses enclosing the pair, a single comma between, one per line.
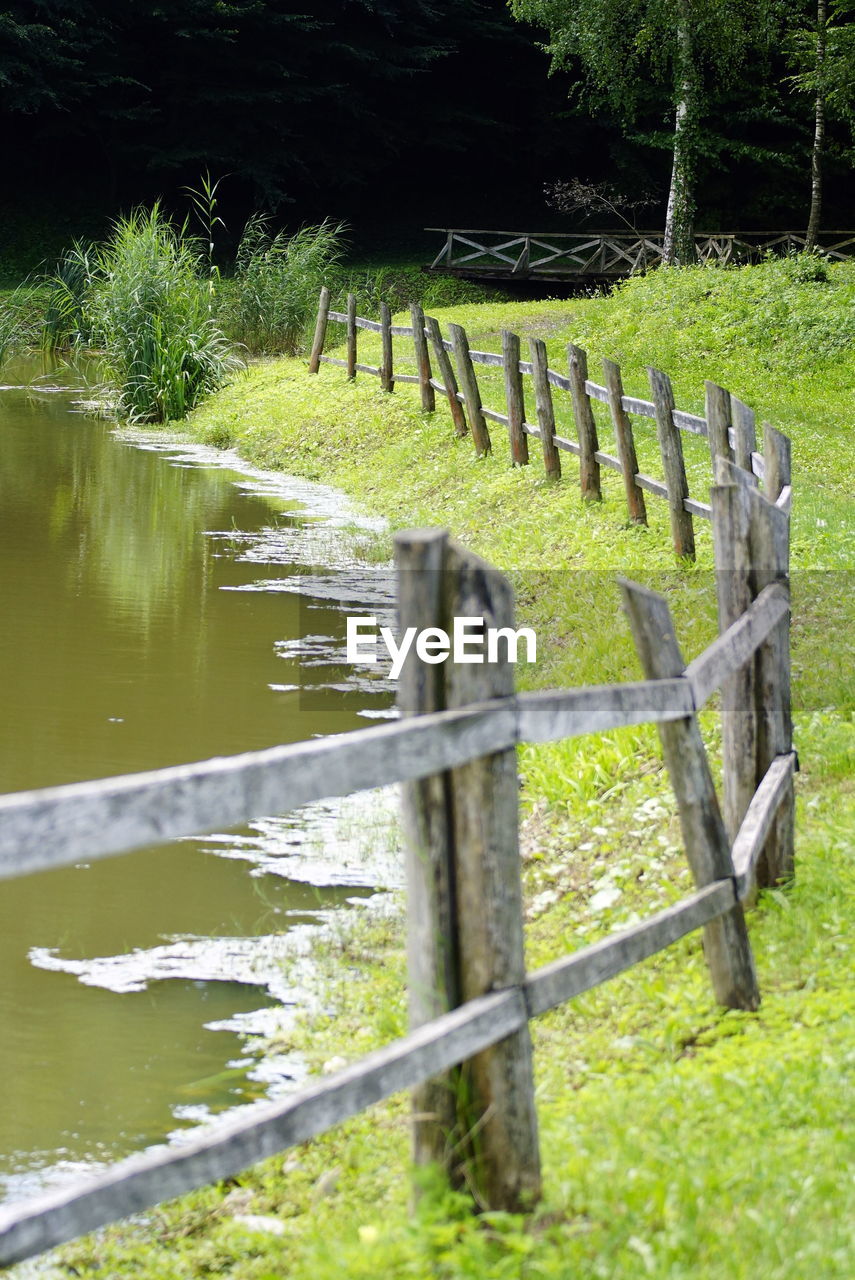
(643,1067)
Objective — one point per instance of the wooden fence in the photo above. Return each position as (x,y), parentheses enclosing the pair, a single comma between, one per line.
(728,426)
(468,1055)
(606,255)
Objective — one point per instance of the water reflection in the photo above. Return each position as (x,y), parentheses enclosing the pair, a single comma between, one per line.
(143,626)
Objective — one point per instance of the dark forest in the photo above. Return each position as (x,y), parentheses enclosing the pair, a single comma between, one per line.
(389,114)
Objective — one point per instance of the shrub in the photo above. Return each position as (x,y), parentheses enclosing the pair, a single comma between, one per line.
(399,286)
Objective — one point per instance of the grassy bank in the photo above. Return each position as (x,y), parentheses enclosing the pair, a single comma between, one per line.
(678,1140)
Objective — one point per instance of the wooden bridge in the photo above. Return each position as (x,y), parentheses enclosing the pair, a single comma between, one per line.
(605,255)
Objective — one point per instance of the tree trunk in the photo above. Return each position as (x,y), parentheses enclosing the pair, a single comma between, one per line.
(819,129)
(679,247)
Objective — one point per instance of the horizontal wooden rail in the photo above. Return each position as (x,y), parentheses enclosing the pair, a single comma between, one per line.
(738,643)
(374,326)
(227,1147)
(553,714)
(763,236)
(758,820)
(491,358)
(596,392)
(645,482)
(561,442)
(59,826)
(571,975)
(785,499)
(687,422)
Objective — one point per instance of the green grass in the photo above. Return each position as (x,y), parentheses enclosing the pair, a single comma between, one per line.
(678,1140)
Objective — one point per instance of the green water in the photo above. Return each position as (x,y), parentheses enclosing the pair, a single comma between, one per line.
(122,648)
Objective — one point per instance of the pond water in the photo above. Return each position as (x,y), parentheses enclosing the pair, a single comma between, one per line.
(161,604)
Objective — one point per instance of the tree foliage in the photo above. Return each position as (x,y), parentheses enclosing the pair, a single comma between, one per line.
(834,75)
(277,91)
(619,48)
(677,53)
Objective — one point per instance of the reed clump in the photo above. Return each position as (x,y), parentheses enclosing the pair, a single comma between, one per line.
(144,299)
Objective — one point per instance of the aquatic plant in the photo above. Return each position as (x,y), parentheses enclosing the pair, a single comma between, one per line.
(271,303)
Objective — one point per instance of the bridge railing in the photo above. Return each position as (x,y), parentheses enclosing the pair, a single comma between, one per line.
(728,426)
(468,1055)
(548,255)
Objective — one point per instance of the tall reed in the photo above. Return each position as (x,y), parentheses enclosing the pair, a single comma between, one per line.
(20,319)
(67,321)
(272,298)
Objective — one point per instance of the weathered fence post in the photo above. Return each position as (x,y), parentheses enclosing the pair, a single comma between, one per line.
(625,443)
(745,434)
(718,411)
(500,1128)
(671,449)
(731,519)
(751,540)
(770,555)
(426,391)
(586,427)
(726,945)
(320,330)
(514,398)
(464,895)
(351,336)
(432,961)
(387,381)
(777,457)
(446,373)
(545,410)
(471,393)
